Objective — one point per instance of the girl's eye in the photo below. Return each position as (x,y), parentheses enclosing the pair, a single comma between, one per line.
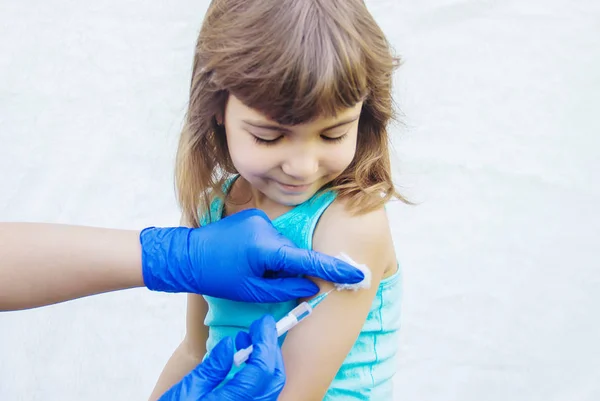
(267,142)
(336,139)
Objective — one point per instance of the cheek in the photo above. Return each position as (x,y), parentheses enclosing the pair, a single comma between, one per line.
(247,156)
(339,158)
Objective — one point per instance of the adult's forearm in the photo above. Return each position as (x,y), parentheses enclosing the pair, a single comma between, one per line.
(43,264)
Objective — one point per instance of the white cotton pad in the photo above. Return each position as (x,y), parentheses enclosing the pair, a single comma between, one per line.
(366,283)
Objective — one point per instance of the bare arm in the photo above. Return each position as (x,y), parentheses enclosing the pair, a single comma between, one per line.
(43,264)
(323,341)
(191,350)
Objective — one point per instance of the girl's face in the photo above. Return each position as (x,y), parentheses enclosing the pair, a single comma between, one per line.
(289,164)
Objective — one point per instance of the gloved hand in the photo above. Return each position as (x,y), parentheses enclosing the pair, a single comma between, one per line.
(231,259)
(262,378)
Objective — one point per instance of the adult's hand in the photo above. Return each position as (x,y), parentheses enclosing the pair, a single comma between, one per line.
(262,378)
(241,257)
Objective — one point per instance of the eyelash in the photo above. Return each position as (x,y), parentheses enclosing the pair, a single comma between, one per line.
(261,141)
(272,142)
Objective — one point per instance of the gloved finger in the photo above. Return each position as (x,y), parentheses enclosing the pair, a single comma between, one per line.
(263,333)
(279,374)
(256,379)
(274,265)
(311,263)
(264,337)
(280,289)
(215,368)
(242,340)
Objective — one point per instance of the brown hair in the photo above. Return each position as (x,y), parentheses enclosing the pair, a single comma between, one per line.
(293,61)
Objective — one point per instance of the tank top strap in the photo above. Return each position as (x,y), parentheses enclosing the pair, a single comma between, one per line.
(298,224)
(216,205)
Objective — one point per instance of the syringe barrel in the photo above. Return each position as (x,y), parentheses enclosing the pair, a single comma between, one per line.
(301,311)
(242,355)
(284,324)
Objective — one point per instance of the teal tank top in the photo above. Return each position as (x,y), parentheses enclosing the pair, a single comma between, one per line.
(367,371)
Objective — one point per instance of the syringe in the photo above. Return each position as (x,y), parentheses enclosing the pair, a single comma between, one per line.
(285,324)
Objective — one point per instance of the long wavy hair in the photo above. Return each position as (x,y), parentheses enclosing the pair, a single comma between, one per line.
(293,61)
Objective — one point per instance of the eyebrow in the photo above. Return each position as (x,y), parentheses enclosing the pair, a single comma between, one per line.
(279,128)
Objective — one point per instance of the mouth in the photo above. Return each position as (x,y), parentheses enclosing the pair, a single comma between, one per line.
(294,188)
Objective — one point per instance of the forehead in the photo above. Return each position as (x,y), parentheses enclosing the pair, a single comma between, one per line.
(236,110)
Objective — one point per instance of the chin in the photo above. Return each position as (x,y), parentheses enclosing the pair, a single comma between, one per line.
(288,199)
(292,200)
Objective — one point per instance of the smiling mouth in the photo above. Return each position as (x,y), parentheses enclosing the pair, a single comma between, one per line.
(294,188)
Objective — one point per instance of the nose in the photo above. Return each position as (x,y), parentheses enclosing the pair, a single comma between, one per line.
(301,164)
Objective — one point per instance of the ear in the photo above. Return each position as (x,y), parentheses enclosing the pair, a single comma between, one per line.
(221,108)
(219,118)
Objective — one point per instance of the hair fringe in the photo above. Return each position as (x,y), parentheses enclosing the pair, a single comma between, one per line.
(293,61)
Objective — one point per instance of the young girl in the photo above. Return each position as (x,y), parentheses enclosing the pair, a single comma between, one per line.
(289,103)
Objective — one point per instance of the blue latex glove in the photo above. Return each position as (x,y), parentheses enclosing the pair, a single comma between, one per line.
(241,257)
(261,379)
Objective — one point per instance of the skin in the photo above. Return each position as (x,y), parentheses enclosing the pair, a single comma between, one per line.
(44,264)
(268,156)
(308,155)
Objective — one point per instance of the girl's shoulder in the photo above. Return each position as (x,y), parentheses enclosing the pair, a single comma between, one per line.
(365,236)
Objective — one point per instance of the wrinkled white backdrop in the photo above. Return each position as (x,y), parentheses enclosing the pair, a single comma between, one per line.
(499,146)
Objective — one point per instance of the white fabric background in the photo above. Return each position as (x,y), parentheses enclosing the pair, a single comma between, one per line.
(499,146)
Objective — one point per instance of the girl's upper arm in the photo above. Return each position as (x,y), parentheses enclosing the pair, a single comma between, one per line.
(315,349)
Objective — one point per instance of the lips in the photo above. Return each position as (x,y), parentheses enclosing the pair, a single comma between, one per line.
(294,188)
